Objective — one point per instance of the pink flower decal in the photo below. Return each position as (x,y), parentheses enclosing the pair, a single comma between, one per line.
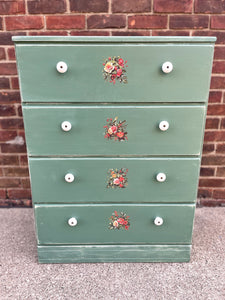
(119,221)
(115,130)
(117,178)
(115,69)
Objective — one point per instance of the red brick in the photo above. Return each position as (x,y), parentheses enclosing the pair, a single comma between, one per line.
(89,33)
(23,160)
(209,6)
(147,22)
(4,83)
(215,97)
(7,135)
(219,34)
(131,6)
(9,160)
(188,21)
(2,53)
(20,112)
(214,136)
(7,110)
(1,25)
(11,123)
(220,172)
(220,148)
(9,182)
(25,182)
(6,37)
(208,148)
(212,123)
(212,160)
(11,53)
(218,67)
(173,6)
(16,172)
(212,182)
(216,109)
(131,33)
(223,123)
(24,22)
(12,7)
(217,82)
(8,69)
(65,22)
(170,33)
(19,193)
(10,148)
(106,21)
(15,83)
(16,203)
(210,203)
(48,32)
(2,194)
(12,97)
(89,5)
(219,52)
(218,22)
(46,6)
(204,193)
(219,194)
(207,171)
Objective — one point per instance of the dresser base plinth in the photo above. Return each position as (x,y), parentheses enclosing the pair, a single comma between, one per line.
(113,253)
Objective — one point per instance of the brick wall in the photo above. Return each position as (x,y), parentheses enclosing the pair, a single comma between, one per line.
(112,17)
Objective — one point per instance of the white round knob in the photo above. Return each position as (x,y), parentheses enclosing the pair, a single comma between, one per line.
(66,126)
(61,67)
(161,177)
(72,222)
(158,221)
(69,177)
(164,125)
(167,67)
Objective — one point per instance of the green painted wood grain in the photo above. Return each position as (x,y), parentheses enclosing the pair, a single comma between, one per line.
(44,135)
(91,178)
(114,253)
(93,221)
(188,82)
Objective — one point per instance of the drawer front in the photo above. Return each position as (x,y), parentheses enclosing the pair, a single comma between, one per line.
(133,130)
(94,223)
(84,79)
(108,180)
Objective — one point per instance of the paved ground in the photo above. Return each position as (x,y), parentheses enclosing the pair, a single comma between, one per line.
(21,277)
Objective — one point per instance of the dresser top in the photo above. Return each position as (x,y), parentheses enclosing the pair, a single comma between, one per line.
(114,39)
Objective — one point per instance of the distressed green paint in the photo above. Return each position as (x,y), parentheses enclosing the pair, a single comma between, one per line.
(188,82)
(44,135)
(114,253)
(82,97)
(93,221)
(90,184)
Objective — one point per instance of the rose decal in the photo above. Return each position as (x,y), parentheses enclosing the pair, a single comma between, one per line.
(115,69)
(117,178)
(118,221)
(115,130)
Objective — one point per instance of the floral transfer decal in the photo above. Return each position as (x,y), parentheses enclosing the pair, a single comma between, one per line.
(118,221)
(115,69)
(115,130)
(117,178)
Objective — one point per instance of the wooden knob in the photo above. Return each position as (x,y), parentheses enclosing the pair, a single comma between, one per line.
(72,222)
(161,177)
(69,177)
(167,67)
(61,67)
(158,221)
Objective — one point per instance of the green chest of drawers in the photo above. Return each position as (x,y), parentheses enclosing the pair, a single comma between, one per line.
(114,130)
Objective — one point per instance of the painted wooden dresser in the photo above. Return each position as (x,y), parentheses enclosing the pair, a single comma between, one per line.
(114,129)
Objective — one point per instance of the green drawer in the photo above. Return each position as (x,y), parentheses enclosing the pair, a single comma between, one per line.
(41,82)
(94,223)
(96,180)
(88,135)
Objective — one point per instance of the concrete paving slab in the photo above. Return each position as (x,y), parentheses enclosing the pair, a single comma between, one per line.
(21,277)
